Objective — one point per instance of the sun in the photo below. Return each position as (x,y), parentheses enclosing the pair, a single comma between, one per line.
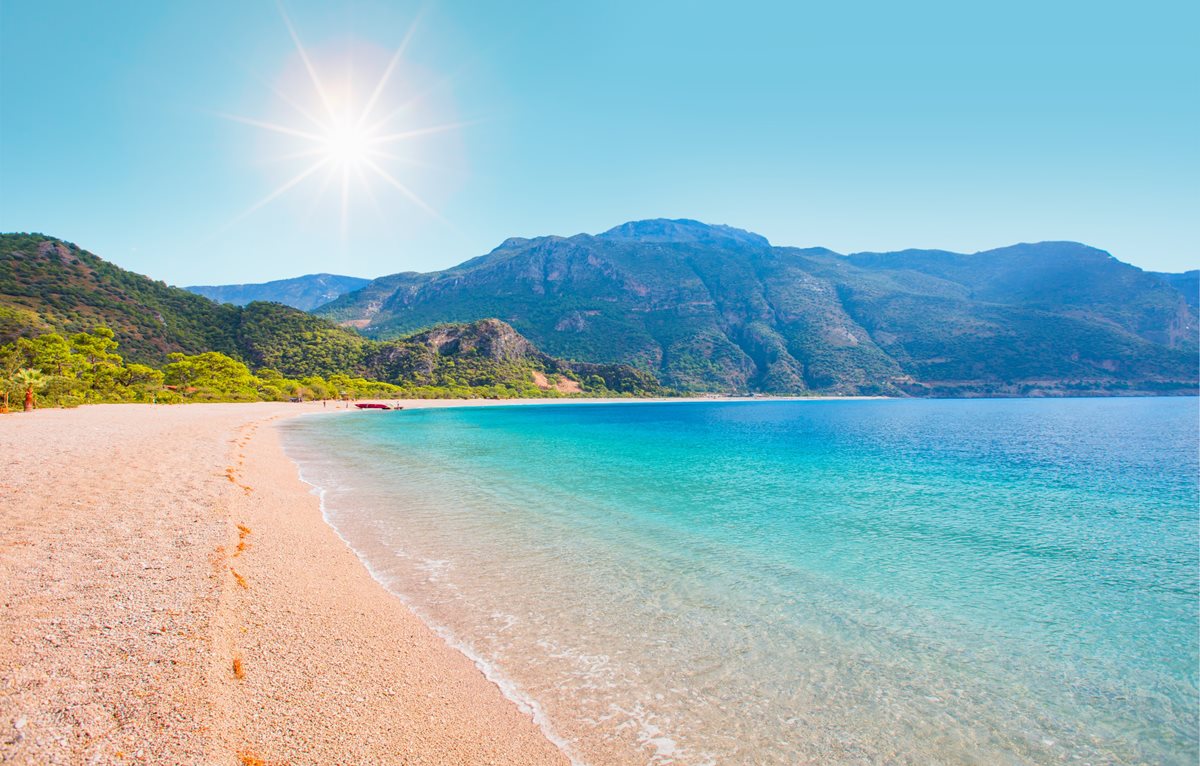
(348,145)
(341,136)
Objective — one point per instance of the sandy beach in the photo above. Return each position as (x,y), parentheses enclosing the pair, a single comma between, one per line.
(171,594)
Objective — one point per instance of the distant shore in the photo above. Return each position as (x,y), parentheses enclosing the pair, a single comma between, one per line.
(419,404)
(171,594)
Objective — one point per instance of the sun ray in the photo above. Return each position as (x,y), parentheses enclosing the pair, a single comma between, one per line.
(321,191)
(281,189)
(345,203)
(412,197)
(312,151)
(366,186)
(378,154)
(343,147)
(411,101)
(312,70)
(285,98)
(272,126)
(407,134)
(387,74)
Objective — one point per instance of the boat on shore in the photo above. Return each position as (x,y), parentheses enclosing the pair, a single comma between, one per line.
(377,406)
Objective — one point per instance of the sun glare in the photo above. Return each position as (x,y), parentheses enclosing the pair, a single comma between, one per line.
(347,145)
(341,136)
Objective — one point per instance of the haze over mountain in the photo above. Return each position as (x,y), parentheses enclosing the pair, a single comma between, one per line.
(305,293)
(1187,282)
(717,308)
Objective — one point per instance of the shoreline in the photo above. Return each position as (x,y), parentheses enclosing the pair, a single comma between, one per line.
(429,404)
(173,593)
(155,585)
(525,703)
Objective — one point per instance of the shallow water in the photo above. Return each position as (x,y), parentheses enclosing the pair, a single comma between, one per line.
(900,581)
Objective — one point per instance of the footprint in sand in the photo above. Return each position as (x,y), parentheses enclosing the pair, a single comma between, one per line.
(243,530)
(231,474)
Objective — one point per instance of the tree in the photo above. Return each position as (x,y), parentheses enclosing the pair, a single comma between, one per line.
(142,381)
(30,379)
(98,346)
(213,375)
(50,353)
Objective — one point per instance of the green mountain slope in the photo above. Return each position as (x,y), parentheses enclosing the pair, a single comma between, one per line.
(305,293)
(717,308)
(47,285)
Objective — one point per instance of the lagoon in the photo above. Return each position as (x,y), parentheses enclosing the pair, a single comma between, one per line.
(901,581)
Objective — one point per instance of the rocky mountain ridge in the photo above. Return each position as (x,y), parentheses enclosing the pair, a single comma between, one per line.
(720,309)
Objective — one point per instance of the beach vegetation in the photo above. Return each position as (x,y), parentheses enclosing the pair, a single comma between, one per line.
(483,360)
(103,334)
(30,380)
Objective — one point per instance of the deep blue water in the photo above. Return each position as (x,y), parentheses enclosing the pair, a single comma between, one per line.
(895,581)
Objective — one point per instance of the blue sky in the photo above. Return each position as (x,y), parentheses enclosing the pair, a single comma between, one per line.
(855,126)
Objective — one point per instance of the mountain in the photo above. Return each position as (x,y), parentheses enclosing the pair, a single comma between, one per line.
(717,308)
(1188,283)
(47,285)
(305,293)
(489,352)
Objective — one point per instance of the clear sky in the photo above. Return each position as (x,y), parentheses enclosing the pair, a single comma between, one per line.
(855,126)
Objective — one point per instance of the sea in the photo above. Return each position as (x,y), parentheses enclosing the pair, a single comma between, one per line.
(988,581)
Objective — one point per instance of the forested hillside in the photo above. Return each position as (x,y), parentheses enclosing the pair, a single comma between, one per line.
(703,308)
(47,284)
(54,297)
(716,308)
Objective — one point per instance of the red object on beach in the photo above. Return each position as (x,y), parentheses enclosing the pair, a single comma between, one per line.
(373,406)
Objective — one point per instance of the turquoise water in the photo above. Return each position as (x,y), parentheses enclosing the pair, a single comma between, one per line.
(898,581)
